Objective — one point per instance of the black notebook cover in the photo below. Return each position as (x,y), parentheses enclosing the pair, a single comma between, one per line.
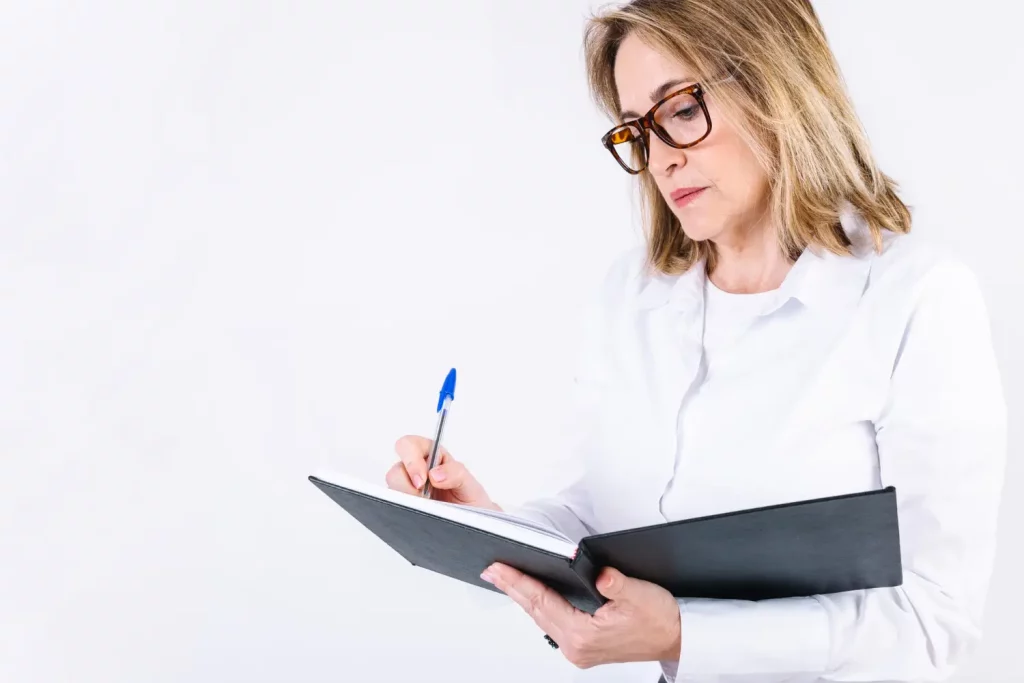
(820,546)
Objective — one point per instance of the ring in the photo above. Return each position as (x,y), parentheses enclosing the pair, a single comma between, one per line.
(551,642)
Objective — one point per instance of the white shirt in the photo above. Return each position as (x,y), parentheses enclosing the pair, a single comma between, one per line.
(726,318)
(859,372)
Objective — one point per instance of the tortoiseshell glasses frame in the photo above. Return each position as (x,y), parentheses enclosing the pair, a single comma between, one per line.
(627,131)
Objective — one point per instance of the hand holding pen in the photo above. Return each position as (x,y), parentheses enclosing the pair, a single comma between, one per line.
(426,468)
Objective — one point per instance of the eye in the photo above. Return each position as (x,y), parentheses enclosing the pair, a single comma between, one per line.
(686,113)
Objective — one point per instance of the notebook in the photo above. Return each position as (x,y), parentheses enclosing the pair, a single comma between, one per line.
(810,547)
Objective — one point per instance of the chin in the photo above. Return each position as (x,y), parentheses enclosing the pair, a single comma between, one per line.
(698,230)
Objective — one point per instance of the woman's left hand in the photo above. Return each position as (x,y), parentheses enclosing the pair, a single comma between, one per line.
(639,623)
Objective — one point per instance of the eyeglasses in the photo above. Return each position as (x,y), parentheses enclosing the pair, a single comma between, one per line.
(680,120)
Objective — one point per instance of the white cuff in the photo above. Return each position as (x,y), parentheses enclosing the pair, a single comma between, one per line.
(737,637)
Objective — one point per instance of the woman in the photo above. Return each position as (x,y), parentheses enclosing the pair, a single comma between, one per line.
(780,337)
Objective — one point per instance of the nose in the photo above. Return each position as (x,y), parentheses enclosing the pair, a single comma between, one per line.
(663,159)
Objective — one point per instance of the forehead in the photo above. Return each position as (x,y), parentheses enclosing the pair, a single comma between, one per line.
(640,69)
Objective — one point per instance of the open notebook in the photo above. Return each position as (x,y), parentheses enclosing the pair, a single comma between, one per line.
(819,546)
(507,526)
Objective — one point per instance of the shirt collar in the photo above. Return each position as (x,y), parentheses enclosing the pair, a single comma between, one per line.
(819,279)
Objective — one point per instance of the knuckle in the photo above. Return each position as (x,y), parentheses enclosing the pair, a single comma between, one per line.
(413,462)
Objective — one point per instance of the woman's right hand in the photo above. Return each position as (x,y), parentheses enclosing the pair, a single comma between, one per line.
(450,481)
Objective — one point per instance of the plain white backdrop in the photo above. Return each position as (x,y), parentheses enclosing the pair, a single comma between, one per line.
(245,241)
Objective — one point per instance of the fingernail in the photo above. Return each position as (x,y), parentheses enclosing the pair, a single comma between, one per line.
(486,576)
(417,480)
(439,475)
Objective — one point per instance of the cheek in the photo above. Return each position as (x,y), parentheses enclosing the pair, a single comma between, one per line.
(737,175)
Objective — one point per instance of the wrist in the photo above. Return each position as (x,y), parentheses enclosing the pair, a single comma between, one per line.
(673,639)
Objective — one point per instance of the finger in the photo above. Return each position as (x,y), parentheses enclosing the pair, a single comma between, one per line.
(422,445)
(548,609)
(611,583)
(505,579)
(413,452)
(616,586)
(450,475)
(398,479)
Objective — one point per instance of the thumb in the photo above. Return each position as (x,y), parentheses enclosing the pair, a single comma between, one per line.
(615,585)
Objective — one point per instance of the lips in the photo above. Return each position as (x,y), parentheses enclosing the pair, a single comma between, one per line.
(685,195)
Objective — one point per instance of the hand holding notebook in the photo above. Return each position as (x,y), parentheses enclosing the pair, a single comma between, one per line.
(639,623)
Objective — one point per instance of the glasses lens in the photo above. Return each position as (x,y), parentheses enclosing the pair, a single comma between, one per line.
(627,144)
(683,119)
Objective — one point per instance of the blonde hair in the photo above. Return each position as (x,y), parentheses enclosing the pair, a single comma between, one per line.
(787,96)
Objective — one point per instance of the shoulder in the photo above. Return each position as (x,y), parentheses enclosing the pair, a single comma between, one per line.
(608,312)
(626,276)
(631,284)
(914,269)
(621,282)
(927,307)
(929,311)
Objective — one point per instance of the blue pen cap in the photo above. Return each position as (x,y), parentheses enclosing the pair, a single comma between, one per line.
(448,390)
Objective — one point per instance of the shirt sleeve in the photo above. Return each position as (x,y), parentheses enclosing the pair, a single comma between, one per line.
(941,440)
(569,510)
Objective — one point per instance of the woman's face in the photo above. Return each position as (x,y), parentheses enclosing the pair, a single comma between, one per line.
(734,191)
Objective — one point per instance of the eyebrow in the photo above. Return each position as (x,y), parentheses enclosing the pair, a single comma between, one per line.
(657,94)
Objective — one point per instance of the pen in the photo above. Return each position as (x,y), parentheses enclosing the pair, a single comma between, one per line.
(444,402)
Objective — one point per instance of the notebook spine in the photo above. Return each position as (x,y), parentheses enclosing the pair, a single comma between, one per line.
(583,566)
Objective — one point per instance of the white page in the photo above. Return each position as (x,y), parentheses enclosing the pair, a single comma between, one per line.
(508,526)
(518,521)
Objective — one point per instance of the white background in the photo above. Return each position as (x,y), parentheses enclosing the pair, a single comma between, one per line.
(245,241)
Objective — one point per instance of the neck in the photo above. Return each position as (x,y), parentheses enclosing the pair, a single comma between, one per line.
(749,262)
